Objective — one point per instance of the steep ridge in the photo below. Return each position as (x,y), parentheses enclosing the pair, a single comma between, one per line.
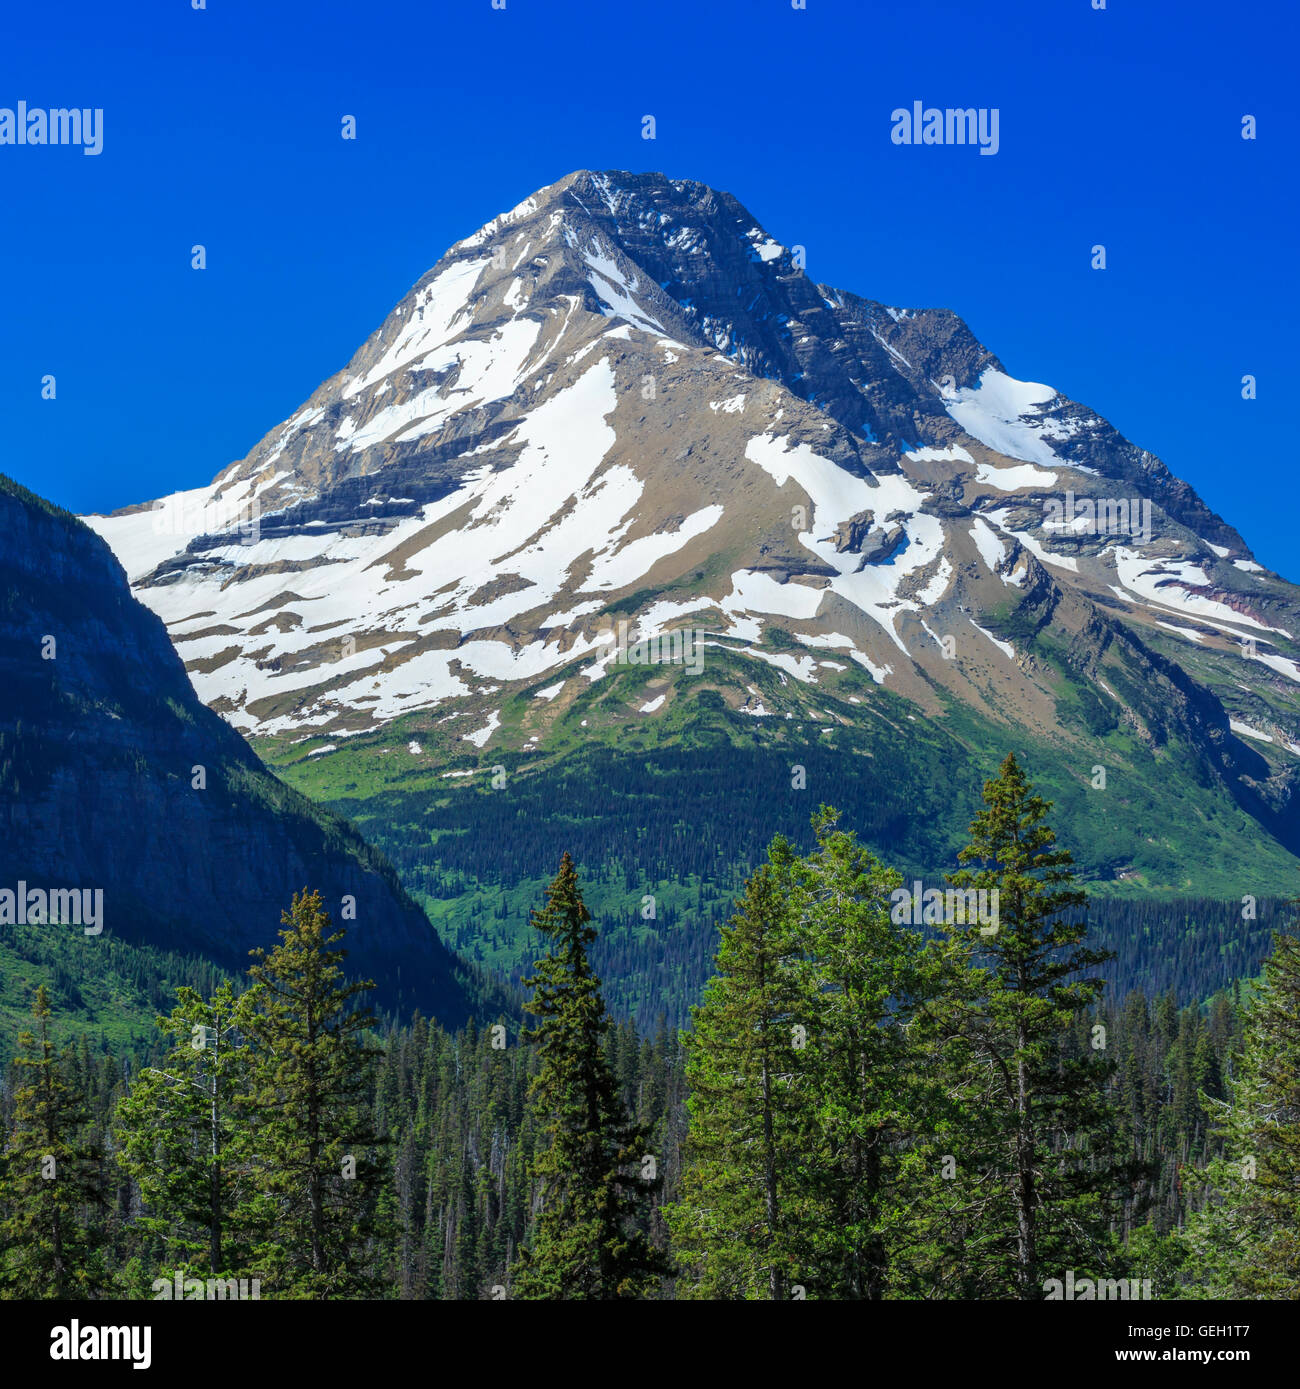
(117,779)
(623,412)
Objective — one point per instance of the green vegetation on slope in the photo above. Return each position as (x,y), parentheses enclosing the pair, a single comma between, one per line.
(101,988)
(677,807)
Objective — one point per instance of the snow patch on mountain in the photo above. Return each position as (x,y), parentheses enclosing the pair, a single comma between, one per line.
(952,454)
(489,229)
(489,370)
(1035,548)
(836,496)
(1190,633)
(144,539)
(1005,647)
(480,736)
(351,587)
(990,545)
(938,584)
(764,246)
(1168,583)
(615,290)
(1012,479)
(1281,664)
(1247,731)
(437,310)
(999,411)
(637,557)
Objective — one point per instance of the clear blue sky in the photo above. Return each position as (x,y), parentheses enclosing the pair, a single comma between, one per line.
(222,127)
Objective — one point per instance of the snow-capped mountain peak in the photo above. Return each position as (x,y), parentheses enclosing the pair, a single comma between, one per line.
(624,399)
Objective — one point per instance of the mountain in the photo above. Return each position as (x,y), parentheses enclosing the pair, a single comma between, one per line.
(873,561)
(116,779)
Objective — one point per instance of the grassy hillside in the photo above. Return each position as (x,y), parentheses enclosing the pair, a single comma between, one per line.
(101,988)
(681,805)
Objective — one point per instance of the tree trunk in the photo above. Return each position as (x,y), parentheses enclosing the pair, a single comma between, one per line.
(1026,1250)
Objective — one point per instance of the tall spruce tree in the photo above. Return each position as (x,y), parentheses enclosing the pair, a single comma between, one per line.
(873,1101)
(1245,1243)
(317,1157)
(738,1225)
(49,1178)
(1037,1168)
(182,1133)
(590,1238)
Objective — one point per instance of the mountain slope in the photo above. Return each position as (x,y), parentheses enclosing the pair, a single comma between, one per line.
(623,402)
(116,778)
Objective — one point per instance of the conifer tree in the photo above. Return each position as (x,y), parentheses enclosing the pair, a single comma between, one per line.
(590,1238)
(49,1173)
(874,1105)
(737,1225)
(1245,1243)
(318,1172)
(182,1133)
(1038,1166)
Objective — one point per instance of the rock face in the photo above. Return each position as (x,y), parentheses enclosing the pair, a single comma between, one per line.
(623,399)
(116,777)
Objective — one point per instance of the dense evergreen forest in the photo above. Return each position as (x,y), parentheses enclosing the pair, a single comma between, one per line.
(860,1109)
(683,824)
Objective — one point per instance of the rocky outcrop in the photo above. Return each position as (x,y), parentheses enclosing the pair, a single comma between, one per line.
(116,777)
